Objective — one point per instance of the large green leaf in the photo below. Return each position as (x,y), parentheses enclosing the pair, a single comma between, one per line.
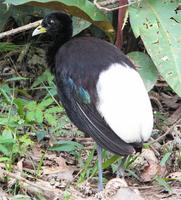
(21,14)
(158,23)
(4,17)
(82,8)
(145,67)
(79,25)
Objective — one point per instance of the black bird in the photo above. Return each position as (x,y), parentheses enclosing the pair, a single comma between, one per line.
(99,88)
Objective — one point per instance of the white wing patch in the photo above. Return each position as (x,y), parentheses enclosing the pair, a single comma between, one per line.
(124,103)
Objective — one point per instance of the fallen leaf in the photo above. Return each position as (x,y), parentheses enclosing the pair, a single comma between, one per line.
(176,133)
(174,175)
(117,188)
(174,117)
(148,166)
(62,171)
(20,165)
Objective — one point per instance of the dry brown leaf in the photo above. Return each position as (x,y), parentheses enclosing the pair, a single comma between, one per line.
(3,195)
(117,189)
(174,117)
(174,175)
(149,165)
(36,153)
(20,165)
(62,171)
(176,133)
(170,101)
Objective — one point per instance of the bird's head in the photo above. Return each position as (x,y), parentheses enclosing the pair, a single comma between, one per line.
(56,25)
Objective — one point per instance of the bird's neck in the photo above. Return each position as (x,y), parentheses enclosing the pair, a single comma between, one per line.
(53,47)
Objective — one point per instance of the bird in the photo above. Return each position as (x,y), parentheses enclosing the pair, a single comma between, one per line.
(99,87)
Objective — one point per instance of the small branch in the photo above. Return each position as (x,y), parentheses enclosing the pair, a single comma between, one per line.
(101,5)
(107,2)
(166,133)
(20,29)
(39,186)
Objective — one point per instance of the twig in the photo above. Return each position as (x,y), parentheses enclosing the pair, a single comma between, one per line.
(99,5)
(35,187)
(20,29)
(107,2)
(166,133)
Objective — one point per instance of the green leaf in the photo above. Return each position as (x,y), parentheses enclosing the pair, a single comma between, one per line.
(45,103)
(86,166)
(31,105)
(52,120)
(30,116)
(67,146)
(55,109)
(4,150)
(5,46)
(20,103)
(110,161)
(46,76)
(11,122)
(40,135)
(18,78)
(5,90)
(4,159)
(165,158)
(82,8)
(163,183)
(5,14)
(6,140)
(22,14)
(145,67)
(63,147)
(79,25)
(7,133)
(38,116)
(157,25)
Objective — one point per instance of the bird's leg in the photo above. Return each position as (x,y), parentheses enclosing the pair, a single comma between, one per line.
(99,153)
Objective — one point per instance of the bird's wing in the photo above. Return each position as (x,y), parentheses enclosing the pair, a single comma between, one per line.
(83,112)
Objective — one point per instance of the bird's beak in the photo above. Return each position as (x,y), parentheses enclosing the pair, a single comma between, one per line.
(40,29)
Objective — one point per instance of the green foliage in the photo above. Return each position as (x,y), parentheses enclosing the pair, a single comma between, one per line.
(158,25)
(18,115)
(162,182)
(90,170)
(12,145)
(86,167)
(5,46)
(33,112)
(67,146)
(83,9)
(79,25)
(145,67)
(165,158)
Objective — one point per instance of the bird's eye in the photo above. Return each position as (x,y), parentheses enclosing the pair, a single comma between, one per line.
(52,21)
